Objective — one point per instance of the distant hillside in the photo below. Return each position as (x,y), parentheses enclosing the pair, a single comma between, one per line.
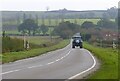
(73,11)
(10,18)
(62,13)
(11,15)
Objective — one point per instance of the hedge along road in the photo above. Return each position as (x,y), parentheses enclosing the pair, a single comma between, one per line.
(66,63)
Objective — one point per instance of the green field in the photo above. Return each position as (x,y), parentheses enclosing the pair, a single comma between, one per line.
(54,22)
(38,40)
(12,32)
(79,21)
(109,62)
(13,56)
(42,39)
(46,22)
(16,31)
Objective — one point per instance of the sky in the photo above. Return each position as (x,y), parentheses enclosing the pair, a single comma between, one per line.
(41,5)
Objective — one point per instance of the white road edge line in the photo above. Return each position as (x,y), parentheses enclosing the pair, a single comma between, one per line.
(73,77)
(39,65)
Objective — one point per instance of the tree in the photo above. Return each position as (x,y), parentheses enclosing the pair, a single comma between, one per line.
(44,29)
(103,23)
(22,29)
(66,29)
(113,11)
(39,30)
(29,26)
(87,24)
(105,16)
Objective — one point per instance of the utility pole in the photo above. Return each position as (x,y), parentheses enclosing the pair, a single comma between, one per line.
(36,19)
(24,16)
(24,37)
(30,16)
(43,23)
(49,20)
(18,19)
(56,21)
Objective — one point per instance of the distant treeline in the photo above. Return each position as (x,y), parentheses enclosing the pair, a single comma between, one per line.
(63,13)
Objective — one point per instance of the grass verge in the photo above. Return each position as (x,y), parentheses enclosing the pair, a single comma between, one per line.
(13,56)
(109,62)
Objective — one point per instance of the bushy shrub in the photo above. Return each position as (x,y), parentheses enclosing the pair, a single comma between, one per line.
(12,44)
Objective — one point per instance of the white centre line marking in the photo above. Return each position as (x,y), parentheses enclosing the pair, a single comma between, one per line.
(34,66)
(10,71)
(39,65)
(50,63)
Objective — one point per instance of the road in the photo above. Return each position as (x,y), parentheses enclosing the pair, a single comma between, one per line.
(66,63)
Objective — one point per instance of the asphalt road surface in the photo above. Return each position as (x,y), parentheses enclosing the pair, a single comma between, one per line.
(66,63)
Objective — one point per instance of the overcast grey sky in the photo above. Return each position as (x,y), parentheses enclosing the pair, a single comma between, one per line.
(40,5)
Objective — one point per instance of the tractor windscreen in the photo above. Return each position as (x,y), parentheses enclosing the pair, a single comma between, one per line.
(76,38)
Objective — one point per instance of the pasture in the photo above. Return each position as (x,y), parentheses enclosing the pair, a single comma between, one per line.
(109,62)
(52,22)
